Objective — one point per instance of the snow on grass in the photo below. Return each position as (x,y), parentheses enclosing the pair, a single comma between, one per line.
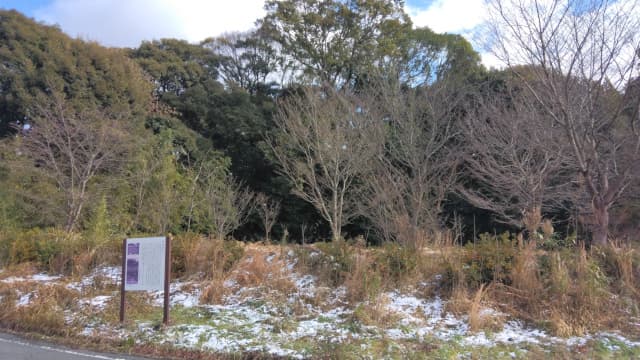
(179,295)
(111,275)
(24,299)
(248,319)
(34,278)
(98,302)
(513,332)
(613,340)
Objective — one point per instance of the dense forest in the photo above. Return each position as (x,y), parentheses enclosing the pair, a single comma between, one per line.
(332,119)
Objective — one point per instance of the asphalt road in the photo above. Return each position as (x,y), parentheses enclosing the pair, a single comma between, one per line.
(15,348)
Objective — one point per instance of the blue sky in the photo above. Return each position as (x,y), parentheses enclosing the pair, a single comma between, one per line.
(125,23)
(24,6)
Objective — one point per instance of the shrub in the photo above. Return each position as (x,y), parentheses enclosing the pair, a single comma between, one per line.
(52,250)
(335,261)
(489,259)
(194,254)
(365,280)
(398,261)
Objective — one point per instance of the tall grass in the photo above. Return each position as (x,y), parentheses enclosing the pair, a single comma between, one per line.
(570,291)
(57,251)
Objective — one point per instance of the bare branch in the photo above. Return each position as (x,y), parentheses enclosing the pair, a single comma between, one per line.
(325,146)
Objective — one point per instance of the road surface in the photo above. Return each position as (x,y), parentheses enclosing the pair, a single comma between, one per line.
(15,348)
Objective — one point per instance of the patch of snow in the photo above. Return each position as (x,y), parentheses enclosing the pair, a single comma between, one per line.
(395,334)
(98,302)
(88,331)
(185,299)
(77,286)
(429,311)
(577,341)
(24,299)
(276,350)
(306,285)
(230,283)
(178,296)
(311,328)
(45,277)
(249,319)
(111,273)
(42,277)
(513,332)
(619,338)
(291,265)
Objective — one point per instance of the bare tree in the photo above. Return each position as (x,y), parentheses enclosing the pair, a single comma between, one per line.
(72,146)
(517,162)
(201,175)
(268,209)
(583,55)
(227,203)
(325,144)
(417,169)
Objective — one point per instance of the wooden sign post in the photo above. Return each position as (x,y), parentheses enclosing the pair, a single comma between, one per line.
(146,266)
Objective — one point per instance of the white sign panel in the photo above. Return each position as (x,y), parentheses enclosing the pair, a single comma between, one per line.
(144,265)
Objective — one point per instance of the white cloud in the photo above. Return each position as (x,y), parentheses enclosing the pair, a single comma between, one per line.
(127,22)
(464,17)
(451,16)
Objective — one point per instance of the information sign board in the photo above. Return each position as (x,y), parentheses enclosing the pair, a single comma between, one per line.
(145,262)
(146,266)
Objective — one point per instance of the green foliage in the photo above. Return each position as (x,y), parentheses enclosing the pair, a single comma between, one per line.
(556,242)
(52,250)
(43,59)
(234,251)
(50,70)
(8,211)
(99,229)
(158,186)
(337,260)
(336,42)
(489,259)
(183,75)
(398,261)
(431,57)
(30,197)
(246,59)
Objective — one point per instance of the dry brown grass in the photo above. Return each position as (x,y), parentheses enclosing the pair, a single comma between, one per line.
(44,312)
(363,282)
(261,271)
(525,274)
(458,301)
(19,270)
(570,291)
(193,254)
(214,292)
(375,312)
(476,317)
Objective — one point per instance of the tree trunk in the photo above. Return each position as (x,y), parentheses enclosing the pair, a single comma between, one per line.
(335,231)
(600,224)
